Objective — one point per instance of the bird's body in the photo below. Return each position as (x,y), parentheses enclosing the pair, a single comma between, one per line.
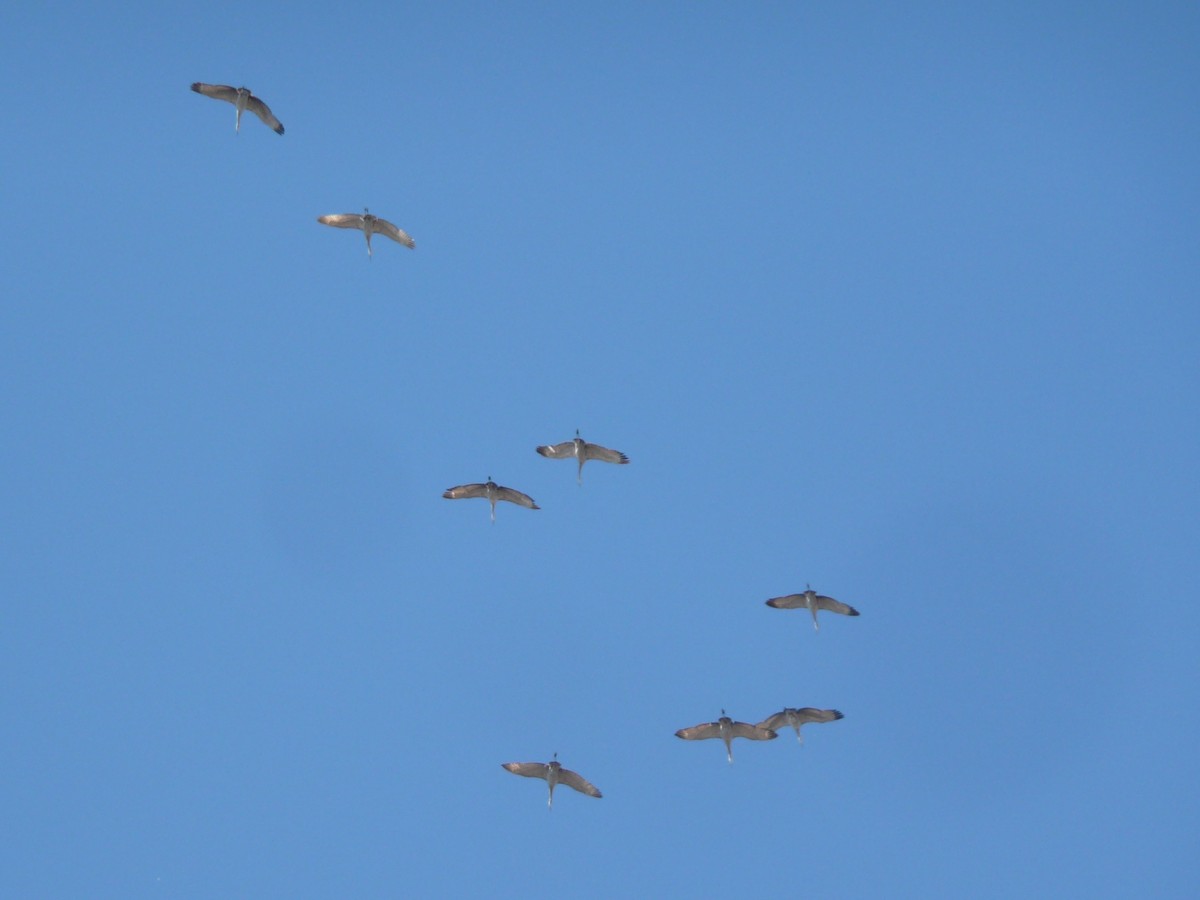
(797,717)
(368,225)
(242,100)
(581,450)
(491,492)
(812,601)
(726,729)
(554,774)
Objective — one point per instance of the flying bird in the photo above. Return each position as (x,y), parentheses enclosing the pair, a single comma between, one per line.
(581,450)
(554,774)
(243,100)
(813,601)
(492,492)
(798,717)
(369,225)
(726,729)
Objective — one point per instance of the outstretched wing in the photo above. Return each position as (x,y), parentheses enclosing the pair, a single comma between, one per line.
(465,491)
(791,601)
(753,732)
(216,91)
(384,227)
(832,605)
(798,717)
(699,732)
(565,450)
(342,220)
(595,451)
(528,769)
(775,722)
(577,781)
(513,496)
(809,714)
(263,111)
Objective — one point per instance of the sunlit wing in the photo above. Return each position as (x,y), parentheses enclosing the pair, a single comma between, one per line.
(466,491)
(513,496)
(216,91)
(809,714)
(775,722)
(342,220)
(595,451)
(528,769)
(575,780)
(753,732)
(828,603)
(384,227)
(798,717)
(700,732)
(565,450)
(263,111)
(791,601)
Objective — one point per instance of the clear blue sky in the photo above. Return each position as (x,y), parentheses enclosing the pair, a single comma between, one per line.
(898,302)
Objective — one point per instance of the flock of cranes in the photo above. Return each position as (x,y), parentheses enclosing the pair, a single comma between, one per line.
(576,448)
(726,729)
(243,99)
(581,451)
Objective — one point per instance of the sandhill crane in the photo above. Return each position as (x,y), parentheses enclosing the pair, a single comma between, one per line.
(726,729)
(581,450)
(798,717)
(813,601)
(554,774)
(241,98)
(492,492)
(369,225)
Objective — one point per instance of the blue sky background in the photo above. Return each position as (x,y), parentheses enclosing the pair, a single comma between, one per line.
(898,301)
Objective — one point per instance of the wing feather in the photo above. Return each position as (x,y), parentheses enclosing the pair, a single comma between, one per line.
(753,732)
(263,111)
(528,769)
(577,781)
(699,732)
(342,220)
(791,601)
(565,450)
(386,228)
(828,603)
(811,714)
(604,454)
(801,716)
(216,91)
(775,722)
(515,496)
(465,491)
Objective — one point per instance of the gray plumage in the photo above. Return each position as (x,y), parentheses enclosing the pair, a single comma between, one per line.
(582,450)
(795,717)
(242,99)
(726,729)
(554,774)
(492,492)
(812,601)
(368,225)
